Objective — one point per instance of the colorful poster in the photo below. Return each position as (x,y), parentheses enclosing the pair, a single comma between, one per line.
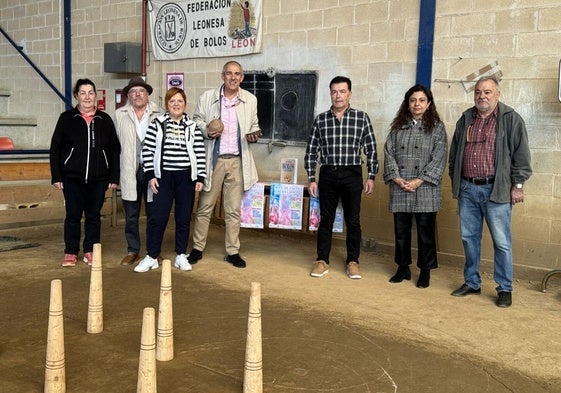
(285,206)
(289,170)
(314,216)
(253,204)
(213,28)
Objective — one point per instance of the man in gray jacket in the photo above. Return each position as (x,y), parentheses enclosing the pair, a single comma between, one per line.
(131,122)
(489,163)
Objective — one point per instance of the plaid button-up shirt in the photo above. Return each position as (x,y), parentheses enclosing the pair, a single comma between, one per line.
(341,143)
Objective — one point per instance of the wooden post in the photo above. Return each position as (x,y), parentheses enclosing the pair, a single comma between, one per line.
(253,367)
(164,339)
(147,359)
(95,303)
(55,374)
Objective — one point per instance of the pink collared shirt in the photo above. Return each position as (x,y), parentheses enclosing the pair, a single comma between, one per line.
(229,138)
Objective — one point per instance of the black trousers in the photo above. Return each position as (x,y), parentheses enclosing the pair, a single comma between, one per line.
(426,238)
(82,199)
(339,183)
(176,189)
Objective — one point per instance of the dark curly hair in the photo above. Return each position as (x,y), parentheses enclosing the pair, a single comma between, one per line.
(403,116)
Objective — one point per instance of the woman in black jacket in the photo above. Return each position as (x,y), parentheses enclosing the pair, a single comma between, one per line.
(84,159)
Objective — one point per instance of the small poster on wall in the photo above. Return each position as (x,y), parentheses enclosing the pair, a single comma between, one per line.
(174,79)
(289,170)
(101,100)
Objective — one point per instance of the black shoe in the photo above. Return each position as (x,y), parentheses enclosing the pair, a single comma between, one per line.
(424,279)
(235,260)
(434,265)
(403,273)
(465,290)
(194,256)
(504,299)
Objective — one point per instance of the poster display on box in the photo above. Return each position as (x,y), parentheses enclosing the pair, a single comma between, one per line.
(253,205)
(285,206)
(314,216)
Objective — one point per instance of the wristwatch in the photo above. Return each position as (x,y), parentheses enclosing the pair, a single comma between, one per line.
(519,185)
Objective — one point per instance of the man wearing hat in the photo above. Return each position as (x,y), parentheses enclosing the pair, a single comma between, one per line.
(131,122)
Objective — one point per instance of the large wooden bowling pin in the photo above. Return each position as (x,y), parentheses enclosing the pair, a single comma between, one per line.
(164,337)
(147,359)
(253,367)
(55,374)
(95,303)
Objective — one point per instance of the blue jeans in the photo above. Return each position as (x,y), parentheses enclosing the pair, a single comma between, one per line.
(474,206)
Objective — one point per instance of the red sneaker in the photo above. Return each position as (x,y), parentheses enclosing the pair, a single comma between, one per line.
(69,260)
(88,258)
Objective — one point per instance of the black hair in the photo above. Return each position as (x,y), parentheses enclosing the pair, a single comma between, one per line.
(403,116)
(341,79)
(80,83)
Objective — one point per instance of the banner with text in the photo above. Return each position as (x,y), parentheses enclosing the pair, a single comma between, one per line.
(211,28)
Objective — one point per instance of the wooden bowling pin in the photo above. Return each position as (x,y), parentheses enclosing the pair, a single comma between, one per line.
(253,367)
(164,337)
(55,374)
(95,302)
(147,359)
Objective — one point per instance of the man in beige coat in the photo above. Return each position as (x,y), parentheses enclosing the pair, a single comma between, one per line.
(131,122)
(228,119)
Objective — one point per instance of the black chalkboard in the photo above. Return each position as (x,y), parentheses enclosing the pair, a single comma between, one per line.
(285,104)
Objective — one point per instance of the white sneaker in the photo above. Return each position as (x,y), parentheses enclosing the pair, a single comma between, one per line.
(146,264)
(182,263)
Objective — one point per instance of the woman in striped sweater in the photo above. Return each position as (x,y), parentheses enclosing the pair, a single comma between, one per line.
(174,163)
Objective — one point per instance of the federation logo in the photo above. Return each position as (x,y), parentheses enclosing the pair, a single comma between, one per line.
(170,28)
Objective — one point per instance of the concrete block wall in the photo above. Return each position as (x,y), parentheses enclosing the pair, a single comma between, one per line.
(374,42)
(35,25)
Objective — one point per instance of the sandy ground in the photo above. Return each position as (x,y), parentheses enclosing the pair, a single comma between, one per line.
(319,335)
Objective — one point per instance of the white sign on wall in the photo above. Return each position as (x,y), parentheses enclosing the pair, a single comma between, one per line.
(205,28)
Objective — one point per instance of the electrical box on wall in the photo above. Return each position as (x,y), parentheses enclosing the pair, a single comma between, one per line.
(122,57)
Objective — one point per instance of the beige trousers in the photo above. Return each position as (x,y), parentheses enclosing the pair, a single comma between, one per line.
(227,178)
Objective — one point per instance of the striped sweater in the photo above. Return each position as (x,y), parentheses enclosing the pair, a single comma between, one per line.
(173,146)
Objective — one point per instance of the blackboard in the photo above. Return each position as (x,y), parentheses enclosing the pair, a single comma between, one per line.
(285,104)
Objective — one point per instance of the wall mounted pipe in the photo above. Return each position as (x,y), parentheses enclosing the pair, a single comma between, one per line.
(426,42)
(67,55)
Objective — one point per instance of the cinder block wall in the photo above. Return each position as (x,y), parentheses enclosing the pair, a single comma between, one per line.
(374,43)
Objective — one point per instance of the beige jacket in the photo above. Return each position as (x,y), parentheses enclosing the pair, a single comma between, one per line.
(126,132)
(208,108)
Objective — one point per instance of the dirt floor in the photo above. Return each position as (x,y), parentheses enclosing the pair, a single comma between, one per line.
(319,335)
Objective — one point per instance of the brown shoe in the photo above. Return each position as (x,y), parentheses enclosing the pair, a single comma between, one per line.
(160,260)
(129,259)
(353,271)
(320,269)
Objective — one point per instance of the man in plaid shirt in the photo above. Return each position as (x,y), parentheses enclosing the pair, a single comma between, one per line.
(337,140)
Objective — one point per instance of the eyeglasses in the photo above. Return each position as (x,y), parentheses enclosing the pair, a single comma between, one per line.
(137,91)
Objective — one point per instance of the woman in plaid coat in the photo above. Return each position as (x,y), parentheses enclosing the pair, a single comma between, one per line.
(414,158)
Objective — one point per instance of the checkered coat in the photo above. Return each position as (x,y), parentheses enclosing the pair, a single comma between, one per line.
(411,153)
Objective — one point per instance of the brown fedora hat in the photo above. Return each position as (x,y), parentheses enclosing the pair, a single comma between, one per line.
(137,81)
